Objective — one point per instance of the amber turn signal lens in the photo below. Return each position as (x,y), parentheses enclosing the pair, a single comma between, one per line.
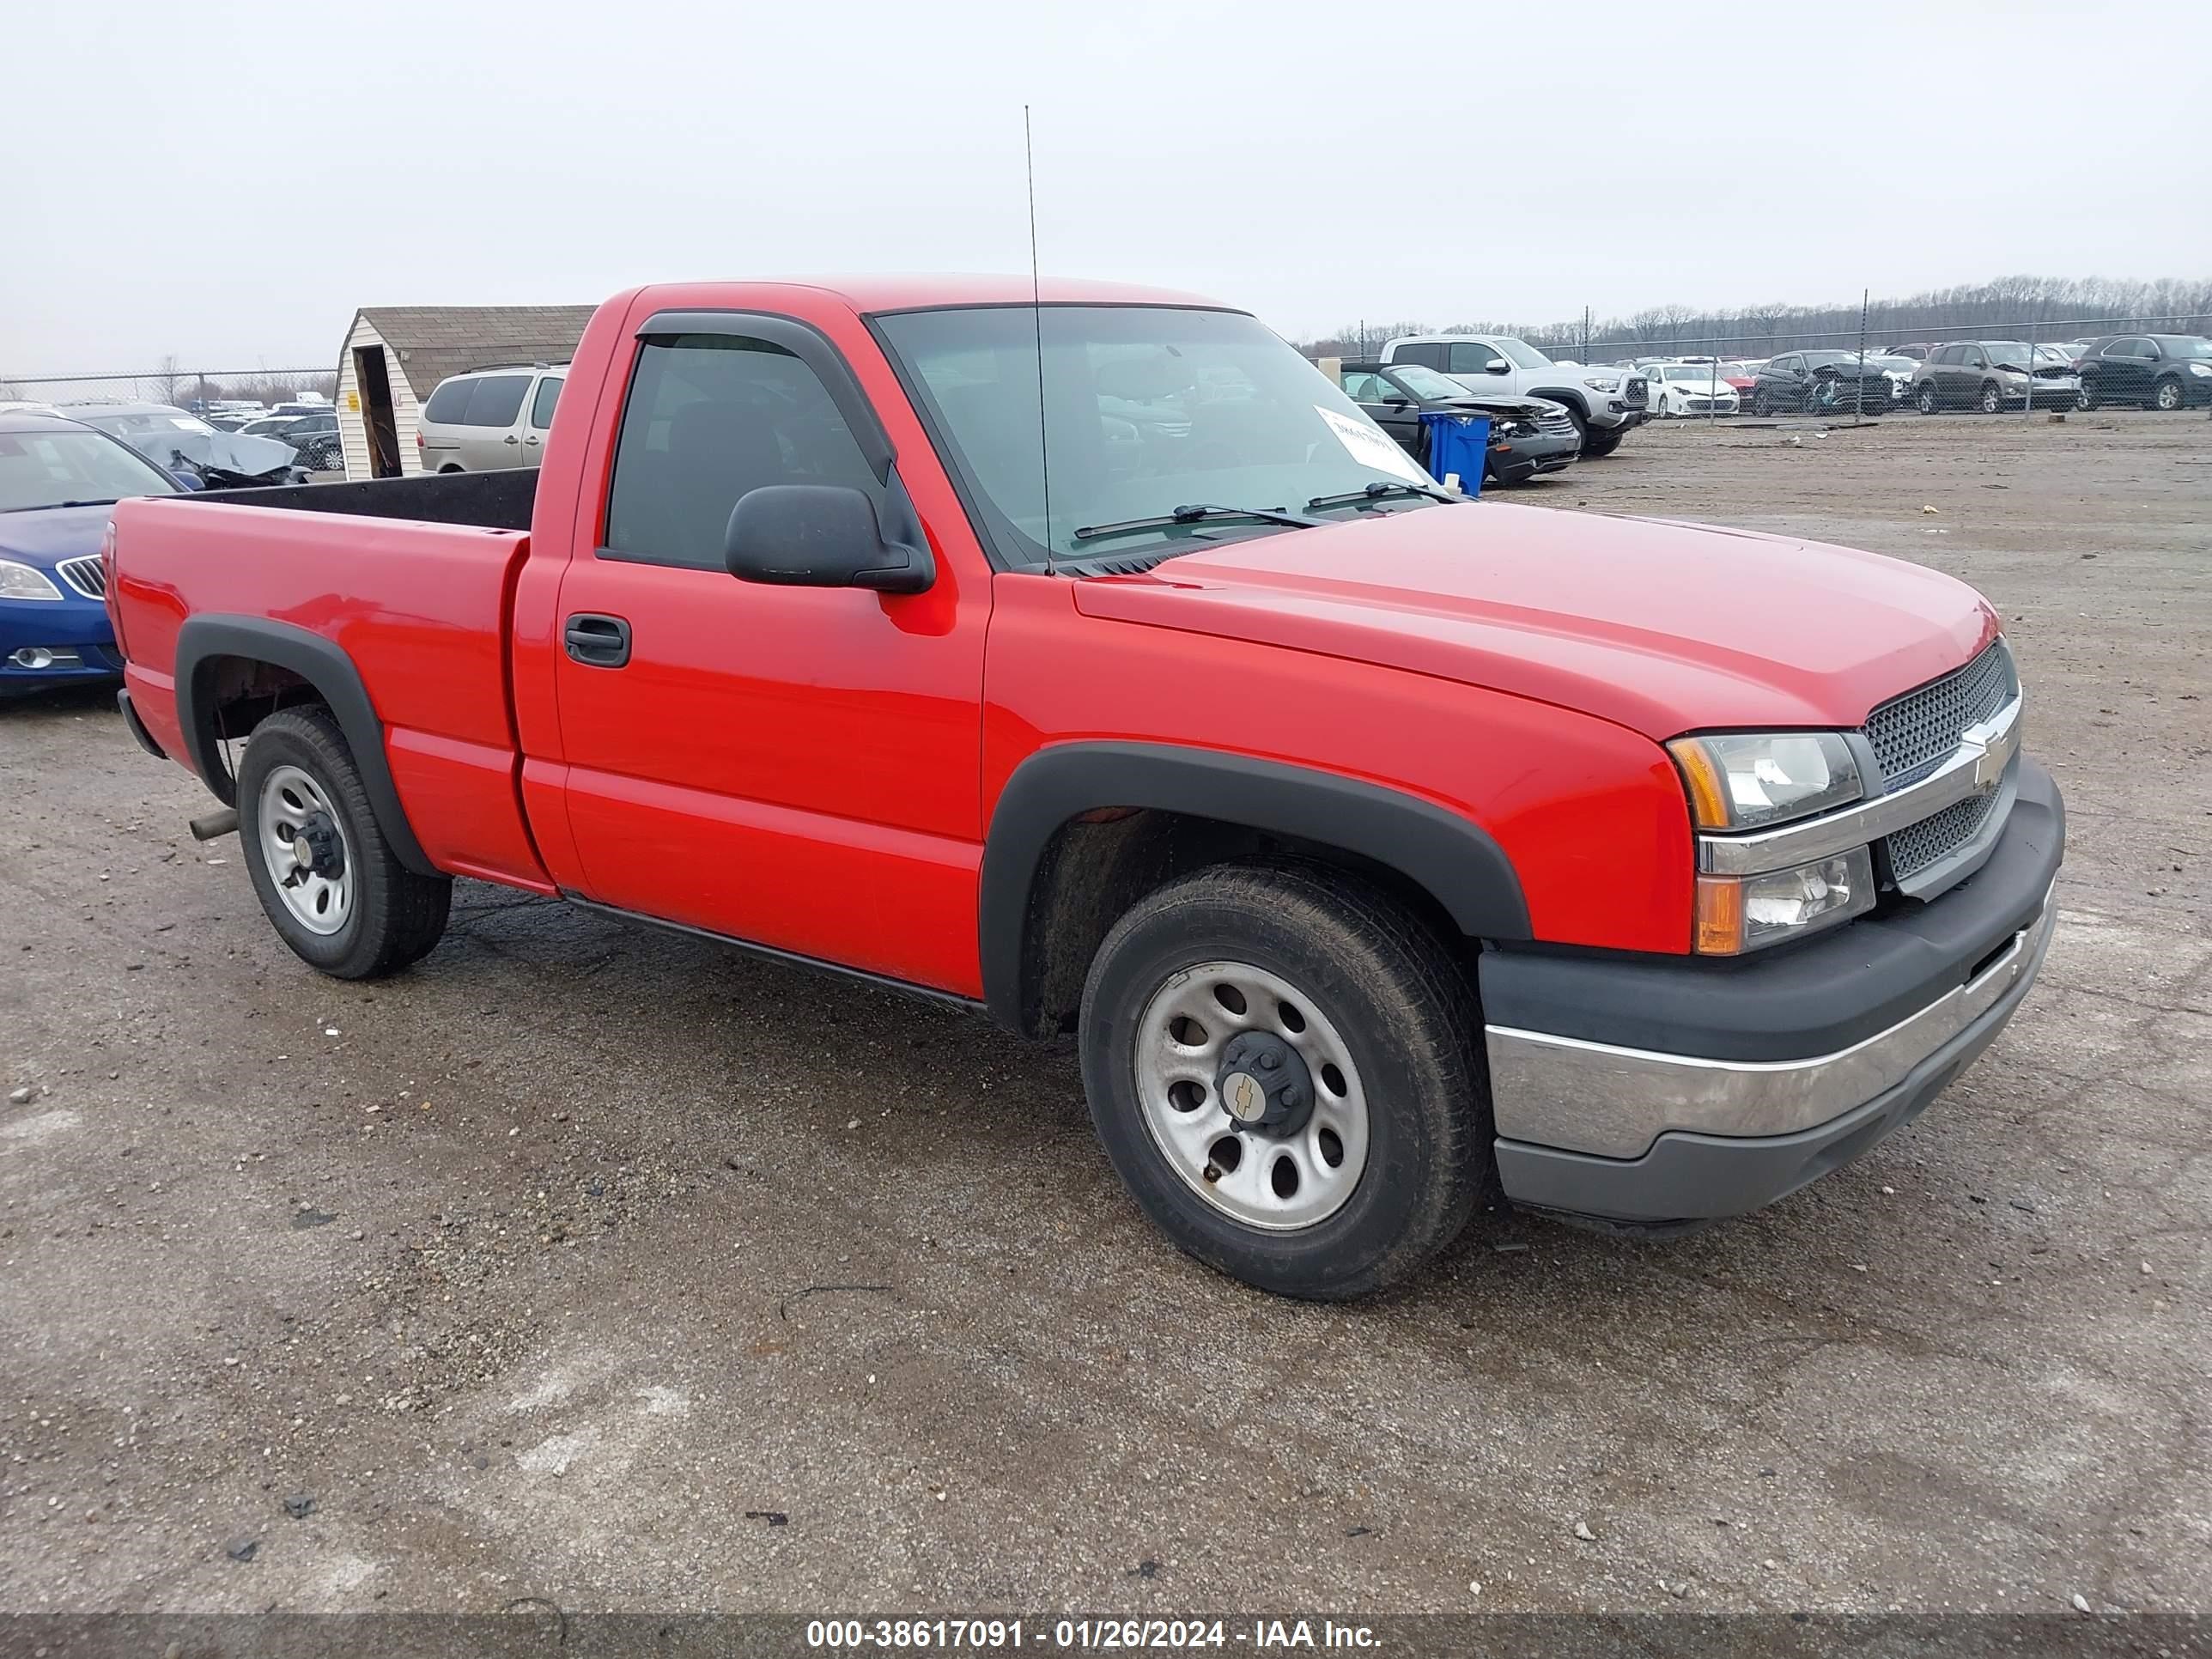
(1720,915)
(1702,779)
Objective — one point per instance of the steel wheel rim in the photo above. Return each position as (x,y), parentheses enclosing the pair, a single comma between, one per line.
(289,799)
(1177,1097)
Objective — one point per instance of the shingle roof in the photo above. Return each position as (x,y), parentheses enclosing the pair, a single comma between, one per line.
(427,344)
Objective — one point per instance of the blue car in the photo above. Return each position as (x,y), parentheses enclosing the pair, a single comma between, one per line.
(59,481)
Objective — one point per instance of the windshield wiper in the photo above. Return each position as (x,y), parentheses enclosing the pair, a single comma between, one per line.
(1201,514)
(48,507)
(1378,491)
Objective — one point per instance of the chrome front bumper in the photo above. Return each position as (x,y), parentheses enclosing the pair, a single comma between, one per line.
(1613,1103)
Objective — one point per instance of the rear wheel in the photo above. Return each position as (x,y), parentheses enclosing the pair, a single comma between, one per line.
(326,877)
(1992,400)
(2168,395)
(1281,1064)
(2084,399)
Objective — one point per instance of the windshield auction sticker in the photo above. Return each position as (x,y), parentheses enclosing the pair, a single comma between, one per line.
(1371,448)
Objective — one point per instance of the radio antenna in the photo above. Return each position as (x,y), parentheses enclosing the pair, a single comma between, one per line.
(1036,315)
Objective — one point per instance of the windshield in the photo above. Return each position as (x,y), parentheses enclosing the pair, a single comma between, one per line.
(1521,354)
(2052,354)
(45,469)
(135,421)
(2188,349)
(1705,372)
(1151,408)
(1425,382)
(1829,359)
(2008,351)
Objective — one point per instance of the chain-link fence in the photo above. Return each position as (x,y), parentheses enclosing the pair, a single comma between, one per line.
(1968,351)
(199,391)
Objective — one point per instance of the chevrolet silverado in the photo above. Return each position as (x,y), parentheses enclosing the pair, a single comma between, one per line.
(1383,852)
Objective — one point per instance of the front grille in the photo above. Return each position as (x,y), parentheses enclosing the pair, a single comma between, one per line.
(85,575)
(1912,734)
(1635,392)
(1559,423)
(1919,845)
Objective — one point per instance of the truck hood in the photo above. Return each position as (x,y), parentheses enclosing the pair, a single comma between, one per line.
(1659,626)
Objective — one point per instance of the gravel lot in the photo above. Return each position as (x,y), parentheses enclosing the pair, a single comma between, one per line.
(594,1265)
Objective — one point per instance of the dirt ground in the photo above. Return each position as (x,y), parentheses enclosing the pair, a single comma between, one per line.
(595,1265)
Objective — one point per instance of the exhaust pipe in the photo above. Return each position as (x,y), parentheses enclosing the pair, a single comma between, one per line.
(216,824)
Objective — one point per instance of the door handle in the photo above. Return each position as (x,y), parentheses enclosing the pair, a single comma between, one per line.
(512,439)
(531,441)
(597,641)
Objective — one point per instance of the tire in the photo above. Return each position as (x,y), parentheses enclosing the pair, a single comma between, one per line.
(2085,400)
(384,915)
(1663,405)
(1412,1096)
(2169,395)
(1761,405)
(1598,444)
(1992,401)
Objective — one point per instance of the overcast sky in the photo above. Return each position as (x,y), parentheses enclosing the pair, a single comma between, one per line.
(227,182)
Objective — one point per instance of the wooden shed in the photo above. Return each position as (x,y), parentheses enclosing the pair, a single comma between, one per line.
(395,356)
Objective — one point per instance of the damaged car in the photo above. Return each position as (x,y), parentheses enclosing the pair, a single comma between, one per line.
(1529,436)
(182,443)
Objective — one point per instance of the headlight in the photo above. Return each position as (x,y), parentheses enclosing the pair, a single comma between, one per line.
(1601,382)
(1737,914)
(20,581)
(2200,368)
(1751,779)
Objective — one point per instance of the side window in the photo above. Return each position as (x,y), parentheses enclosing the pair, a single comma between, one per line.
(1473,358)
(1365,388)
(449,404)
(1789,365)
(2127,349)
(708,418)
(1428,354)
(540,406)
(495,400)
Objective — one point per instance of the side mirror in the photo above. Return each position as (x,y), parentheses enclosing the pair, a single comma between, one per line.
(1397,400)
(184,480)
(819,536)
(1494,367)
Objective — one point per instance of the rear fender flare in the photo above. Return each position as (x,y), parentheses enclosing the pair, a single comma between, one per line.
(202,642)
(1447,855)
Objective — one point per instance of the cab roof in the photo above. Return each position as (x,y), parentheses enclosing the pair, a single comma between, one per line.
(869,294)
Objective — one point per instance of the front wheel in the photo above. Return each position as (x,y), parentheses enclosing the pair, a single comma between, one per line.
(1925,399)
(1762,404)
(1595,444)
(1663,405)
(2169,396)
(326,877)
(1992,400)
(1282,1066)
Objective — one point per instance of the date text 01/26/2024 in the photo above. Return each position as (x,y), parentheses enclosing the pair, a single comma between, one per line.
(1086,1635)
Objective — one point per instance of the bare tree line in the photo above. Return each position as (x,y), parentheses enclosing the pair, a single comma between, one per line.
(2182,304)
(168,382)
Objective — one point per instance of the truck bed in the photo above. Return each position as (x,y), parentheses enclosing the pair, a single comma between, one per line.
(406,583)
(487,501)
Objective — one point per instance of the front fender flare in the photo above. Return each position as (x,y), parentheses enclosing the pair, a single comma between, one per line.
(203,640)
(1449,856)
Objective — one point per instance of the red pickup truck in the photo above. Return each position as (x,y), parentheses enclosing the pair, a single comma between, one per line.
(1096,663)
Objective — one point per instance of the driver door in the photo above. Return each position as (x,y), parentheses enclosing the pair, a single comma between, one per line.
(794,767)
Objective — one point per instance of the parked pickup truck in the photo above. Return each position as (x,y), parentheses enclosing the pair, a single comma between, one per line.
(1381,850)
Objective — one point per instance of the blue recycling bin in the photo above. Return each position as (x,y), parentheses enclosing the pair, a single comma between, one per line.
(1457,443)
